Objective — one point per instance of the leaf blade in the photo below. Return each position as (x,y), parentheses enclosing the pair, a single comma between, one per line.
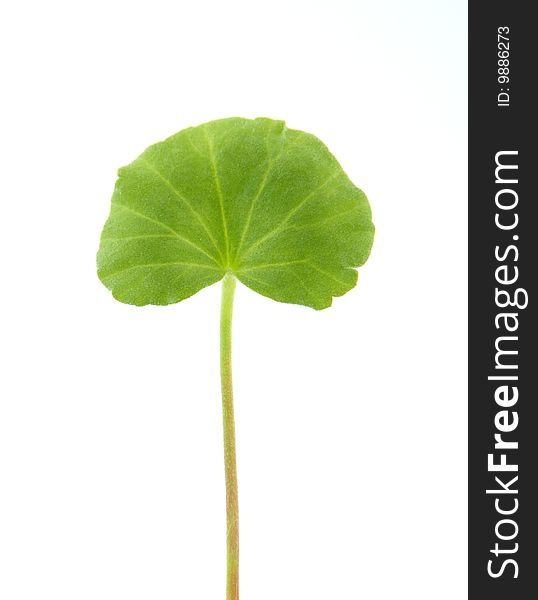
(252,197)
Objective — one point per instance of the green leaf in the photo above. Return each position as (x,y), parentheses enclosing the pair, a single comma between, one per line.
(252,197)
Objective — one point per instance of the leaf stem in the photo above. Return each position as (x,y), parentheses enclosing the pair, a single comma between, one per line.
(230,466)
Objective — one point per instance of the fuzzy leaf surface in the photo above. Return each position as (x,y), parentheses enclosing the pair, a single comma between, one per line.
(268,203)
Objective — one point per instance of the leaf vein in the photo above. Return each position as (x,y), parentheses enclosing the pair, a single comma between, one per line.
(290,214)
(263,183)
(323,221)
(166,264)
(186,240)
(219,191)
(270,265)
(171,186)
(327,274)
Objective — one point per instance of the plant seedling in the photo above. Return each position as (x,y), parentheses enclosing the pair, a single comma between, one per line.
(234,199)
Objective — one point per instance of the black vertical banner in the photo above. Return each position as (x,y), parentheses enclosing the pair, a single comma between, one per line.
(503,253)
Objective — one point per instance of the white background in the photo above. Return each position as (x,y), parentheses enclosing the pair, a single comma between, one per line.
(351,422)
